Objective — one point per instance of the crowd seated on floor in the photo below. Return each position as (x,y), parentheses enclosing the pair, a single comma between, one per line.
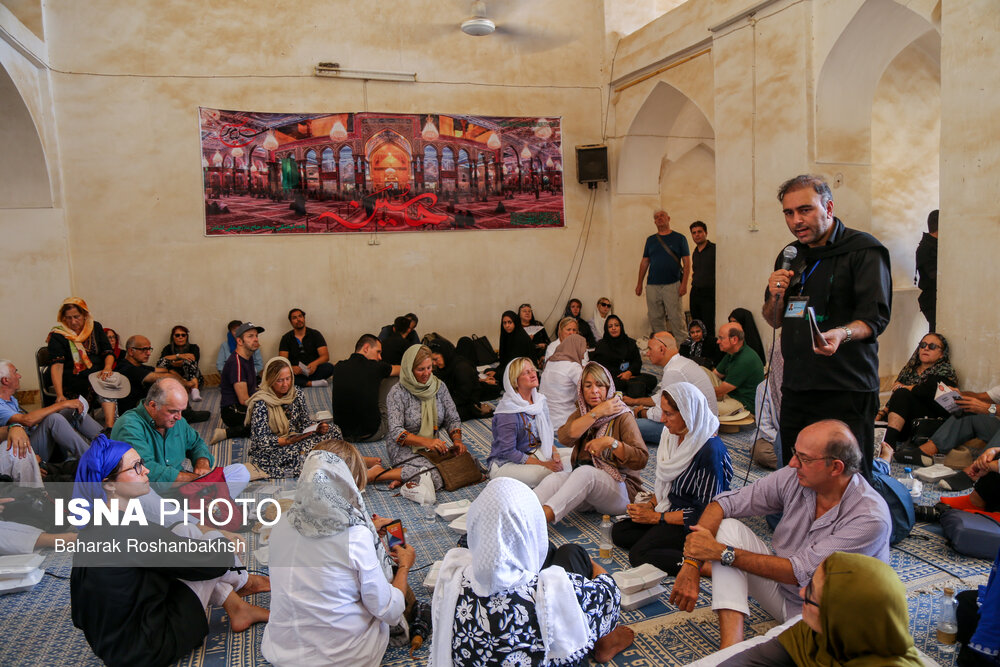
(567,443)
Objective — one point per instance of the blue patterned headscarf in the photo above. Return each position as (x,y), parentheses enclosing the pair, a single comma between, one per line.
(96,464)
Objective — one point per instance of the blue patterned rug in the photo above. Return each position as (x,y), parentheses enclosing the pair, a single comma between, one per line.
(38,630)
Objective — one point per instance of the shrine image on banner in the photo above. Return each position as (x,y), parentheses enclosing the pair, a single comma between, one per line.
(342,173)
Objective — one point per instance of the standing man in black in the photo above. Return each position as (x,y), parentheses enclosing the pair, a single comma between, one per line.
(306,350)
(843,275)
(702,276)
(927,270)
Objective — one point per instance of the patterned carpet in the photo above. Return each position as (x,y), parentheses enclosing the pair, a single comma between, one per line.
(38,630)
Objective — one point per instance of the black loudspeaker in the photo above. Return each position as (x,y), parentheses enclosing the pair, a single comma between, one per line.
(592,163)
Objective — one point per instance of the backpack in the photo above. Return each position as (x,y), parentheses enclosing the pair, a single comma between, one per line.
(897,497)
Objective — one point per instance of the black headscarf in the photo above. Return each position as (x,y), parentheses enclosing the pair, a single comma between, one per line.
(515,344)
(612,352)
(751,337)
(581,323)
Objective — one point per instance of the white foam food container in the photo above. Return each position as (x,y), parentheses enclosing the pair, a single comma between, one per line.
(639,578)
(17,566)
(632,601)
(453,510)
(430,581)
(459,524)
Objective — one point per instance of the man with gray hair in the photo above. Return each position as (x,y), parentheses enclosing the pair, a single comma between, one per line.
(827,506)
(62,425)
(173,452)
(663,351)
(667,259)
(842,276)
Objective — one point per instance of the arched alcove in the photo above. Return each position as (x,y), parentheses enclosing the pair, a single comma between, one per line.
(667,126)
(24,177)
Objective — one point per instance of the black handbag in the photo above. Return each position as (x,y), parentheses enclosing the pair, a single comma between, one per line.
(485,354)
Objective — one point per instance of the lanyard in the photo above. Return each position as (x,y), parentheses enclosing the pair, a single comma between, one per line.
(802,285)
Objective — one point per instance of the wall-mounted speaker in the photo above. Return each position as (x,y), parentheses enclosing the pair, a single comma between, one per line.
(592,163)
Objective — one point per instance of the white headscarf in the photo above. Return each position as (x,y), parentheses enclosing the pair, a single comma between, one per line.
(508,542)
(327,502)
(672,458)
(512,403)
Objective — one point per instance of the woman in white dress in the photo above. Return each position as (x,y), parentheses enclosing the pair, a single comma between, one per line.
(562,377)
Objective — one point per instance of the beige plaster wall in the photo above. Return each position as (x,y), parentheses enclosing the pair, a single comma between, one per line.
(129,141)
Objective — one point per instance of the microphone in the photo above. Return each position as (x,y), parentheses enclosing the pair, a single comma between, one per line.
(788,256)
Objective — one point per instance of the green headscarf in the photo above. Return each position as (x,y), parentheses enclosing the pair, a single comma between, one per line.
(427,392)
(864,618)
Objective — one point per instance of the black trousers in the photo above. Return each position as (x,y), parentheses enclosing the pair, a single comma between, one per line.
(570,557)
(702,303)
(855,408)
(233,416)
(659,544)
(323,371)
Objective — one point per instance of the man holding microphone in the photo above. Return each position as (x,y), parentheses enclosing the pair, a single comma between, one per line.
(841,276)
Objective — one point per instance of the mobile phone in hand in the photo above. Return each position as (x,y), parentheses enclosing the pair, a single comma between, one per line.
(395,534)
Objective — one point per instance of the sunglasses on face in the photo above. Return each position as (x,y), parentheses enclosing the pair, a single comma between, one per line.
(180,335)
(604,305)
(928,346)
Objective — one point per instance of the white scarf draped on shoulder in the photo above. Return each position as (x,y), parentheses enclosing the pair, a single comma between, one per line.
(512,403)
(672,458)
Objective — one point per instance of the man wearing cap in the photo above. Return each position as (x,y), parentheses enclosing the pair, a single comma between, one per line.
(238,384)
(739,372)
(165,441)
(306,350)
(140,375)
(63,424)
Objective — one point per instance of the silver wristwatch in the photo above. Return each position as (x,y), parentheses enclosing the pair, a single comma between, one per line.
(728,556)
(992,409)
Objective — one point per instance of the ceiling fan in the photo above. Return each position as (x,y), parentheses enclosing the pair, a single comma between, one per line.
(478,24)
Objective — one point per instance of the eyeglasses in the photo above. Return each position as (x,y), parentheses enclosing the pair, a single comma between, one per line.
(928,346)
(807,599)
(180,334)
(603,304)
(143,349)
(137,467)
(806,460)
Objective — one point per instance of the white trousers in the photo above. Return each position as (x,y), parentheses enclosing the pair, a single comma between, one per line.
(585,488)
(213,591)
(732,587)
(529,474)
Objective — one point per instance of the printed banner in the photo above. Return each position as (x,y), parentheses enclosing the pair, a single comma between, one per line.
(271,173)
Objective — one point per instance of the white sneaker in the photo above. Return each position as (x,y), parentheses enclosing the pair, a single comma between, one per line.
(319,383)
(196,395)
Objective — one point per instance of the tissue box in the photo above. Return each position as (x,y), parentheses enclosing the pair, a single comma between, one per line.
(638,578)
(432,575)
(642,598)
(459,524)
(453,510)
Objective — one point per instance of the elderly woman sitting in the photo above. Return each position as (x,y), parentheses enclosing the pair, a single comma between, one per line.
(692,466)
(334,594)
(567,327)
(608,453)
(278,421)
(79,348)
(182,356)
(511,599)
(421,417)
(131,612)
(523,446)
(833,629)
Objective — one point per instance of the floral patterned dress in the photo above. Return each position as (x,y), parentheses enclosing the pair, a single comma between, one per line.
(502,630)
(272,458)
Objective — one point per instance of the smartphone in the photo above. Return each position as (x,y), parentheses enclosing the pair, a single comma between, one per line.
(395,534)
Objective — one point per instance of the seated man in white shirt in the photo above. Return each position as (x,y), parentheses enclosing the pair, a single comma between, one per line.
(827,506)
(663,351)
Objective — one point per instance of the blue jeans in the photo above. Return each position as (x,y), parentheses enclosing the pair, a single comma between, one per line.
(651,431)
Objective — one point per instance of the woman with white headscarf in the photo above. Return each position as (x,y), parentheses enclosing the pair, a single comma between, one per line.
(608,453)
(333,593)
(509,599)
(692,466)
(523,444)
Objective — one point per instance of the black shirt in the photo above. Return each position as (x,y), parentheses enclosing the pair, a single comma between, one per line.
(927,252)
(703,267)
(847,279)
(237,369)
(393,348)
(306,350)
(98,348)
(354,386)
(138,389)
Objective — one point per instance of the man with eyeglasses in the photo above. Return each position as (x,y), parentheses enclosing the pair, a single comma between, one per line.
(63,424)
(827,506)
(140,375)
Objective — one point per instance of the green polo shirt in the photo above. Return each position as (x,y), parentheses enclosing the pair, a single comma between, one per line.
(163,454)
(744,371)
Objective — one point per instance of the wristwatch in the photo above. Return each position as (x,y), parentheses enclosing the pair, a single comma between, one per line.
(992,409)
(606,454)
(728,556)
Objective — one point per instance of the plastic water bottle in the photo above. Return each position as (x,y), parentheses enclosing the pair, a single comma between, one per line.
(916,489)
(947,623)
(605,545)
(907,479)
(428,510)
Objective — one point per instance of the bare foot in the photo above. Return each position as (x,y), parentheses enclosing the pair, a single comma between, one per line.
(395,484)
(613,643)
(255,584)
(244,614)
(371,461)
(885,452)
(374,472)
